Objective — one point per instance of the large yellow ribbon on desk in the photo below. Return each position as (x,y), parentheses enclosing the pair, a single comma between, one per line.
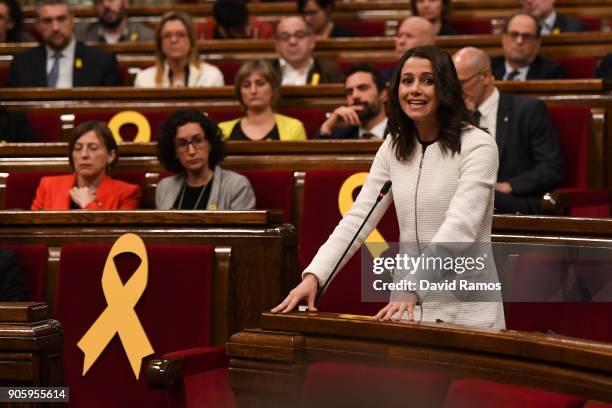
(119,315)
(345,202)
(143,135)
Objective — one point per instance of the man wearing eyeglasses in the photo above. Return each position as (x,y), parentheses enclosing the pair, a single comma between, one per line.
(61,61)
(551,21)
(296,65)
(530,161)
(521,41)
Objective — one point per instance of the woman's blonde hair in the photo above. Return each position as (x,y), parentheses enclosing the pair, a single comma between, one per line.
(160,58)
(265,69)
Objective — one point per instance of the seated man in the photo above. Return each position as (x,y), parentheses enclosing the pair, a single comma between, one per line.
(15,127)
(113,25)
(12,283)
(530,161)
(550,20)
(412,32)
(296,65)
(604,70)
(521,41)
(363,116)
(233,21)
(61,61)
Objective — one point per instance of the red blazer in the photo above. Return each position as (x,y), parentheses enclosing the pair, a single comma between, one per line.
(53,193)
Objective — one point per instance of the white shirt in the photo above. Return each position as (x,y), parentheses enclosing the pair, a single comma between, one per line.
(488,112)
(548,23)
(66,62)
(203,75)
(291,76)
(378,130)
(522,76)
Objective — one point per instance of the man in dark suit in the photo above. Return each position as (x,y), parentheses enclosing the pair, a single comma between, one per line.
(521,41)
(296,65)
(61,62)
(363,116)
(530,161)
(12,283)
(552,22)
(604,70)
(15,127)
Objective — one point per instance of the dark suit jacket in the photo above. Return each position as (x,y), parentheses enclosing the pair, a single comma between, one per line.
(604,70)
(540,68)
(12,283)
(529,149)
(15,128)
(349,132)
(329,72)
(568,24)
(99,68)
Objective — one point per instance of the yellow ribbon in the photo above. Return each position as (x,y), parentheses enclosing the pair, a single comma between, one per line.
(345,202)
(119,315)
(123,118)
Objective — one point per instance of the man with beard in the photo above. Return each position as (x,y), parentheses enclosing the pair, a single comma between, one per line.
(61,61)
(113,25)
(363,116)
(521,41)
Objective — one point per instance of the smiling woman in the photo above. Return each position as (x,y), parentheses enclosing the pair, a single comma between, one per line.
(92,152)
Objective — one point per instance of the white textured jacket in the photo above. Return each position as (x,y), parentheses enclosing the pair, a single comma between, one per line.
(203,75)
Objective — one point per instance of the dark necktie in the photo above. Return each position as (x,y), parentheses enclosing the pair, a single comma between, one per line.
(512,75)
(477,117)
(368,135)
(53,75)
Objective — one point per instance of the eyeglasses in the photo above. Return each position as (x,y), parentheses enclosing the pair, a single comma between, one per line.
(180,35)
(182,145)
(299,35)
(474,75)
(527,37)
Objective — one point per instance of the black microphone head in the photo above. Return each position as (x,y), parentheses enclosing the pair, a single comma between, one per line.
(386,187)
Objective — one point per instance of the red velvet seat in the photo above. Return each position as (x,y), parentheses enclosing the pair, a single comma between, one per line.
(33,265)
(594,23)
(4,71)
(572,126)
(228,69)
(128,132)
(471,26)
(174,311)
(320,215)
(46,125)
(476,393)
(273,189)
(21,187)
(363,28)
(577,67)
(356,385)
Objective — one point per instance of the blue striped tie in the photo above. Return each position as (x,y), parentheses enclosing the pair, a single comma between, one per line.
(53,75)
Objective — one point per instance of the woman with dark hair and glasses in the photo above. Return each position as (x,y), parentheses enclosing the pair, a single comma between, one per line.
(437,12)
(318,16)
(93,153)
(190,145)
(443,171)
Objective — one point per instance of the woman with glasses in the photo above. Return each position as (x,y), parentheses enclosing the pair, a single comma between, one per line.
(177,62)
(92,152)
(437,12)
(190,145)
(318,16)
(257,89)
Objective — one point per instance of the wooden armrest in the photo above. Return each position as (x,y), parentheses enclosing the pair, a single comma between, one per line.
(163,374)
(554,203)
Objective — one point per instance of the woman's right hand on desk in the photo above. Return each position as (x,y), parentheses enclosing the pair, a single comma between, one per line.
(307,289)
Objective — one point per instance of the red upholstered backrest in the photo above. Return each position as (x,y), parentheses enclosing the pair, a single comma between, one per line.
(228,69)
(33,265)
(320,215)
(557,277)
(4,70)
(594,23)
(21,188)
(221,115)
(572,126)
(46,125)
(476,393)
(273,189)
(128,132)
(471,26)
(363,28)
(577,67)
(174,310)
(356,385)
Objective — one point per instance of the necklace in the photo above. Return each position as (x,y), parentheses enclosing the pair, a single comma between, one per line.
(180,204)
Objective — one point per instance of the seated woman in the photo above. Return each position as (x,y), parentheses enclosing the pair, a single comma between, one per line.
(437,12)
(257,89)
(92,152)
(318,16)
(177,62)
(190,144)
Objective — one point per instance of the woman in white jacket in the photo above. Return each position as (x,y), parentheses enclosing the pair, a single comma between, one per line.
(177,62)
(443,171)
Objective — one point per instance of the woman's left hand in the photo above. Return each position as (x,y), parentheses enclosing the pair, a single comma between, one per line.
(395,310)
(82,196)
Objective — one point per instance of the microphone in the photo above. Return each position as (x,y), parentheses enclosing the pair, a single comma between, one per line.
(383,191)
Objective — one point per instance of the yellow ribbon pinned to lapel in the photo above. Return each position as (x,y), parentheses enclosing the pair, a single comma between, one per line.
(119,315)
(345,202)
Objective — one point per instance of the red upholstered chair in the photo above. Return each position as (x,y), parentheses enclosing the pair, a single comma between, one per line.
(475,26)
(174,311)
(4,71)
(320,215)
(33,265)
(572,126)
(475,393)
(363,28)
(578,67)
(594,23)
(228,69)
(46,125)
(357,385)
(273,189)
(128,132)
